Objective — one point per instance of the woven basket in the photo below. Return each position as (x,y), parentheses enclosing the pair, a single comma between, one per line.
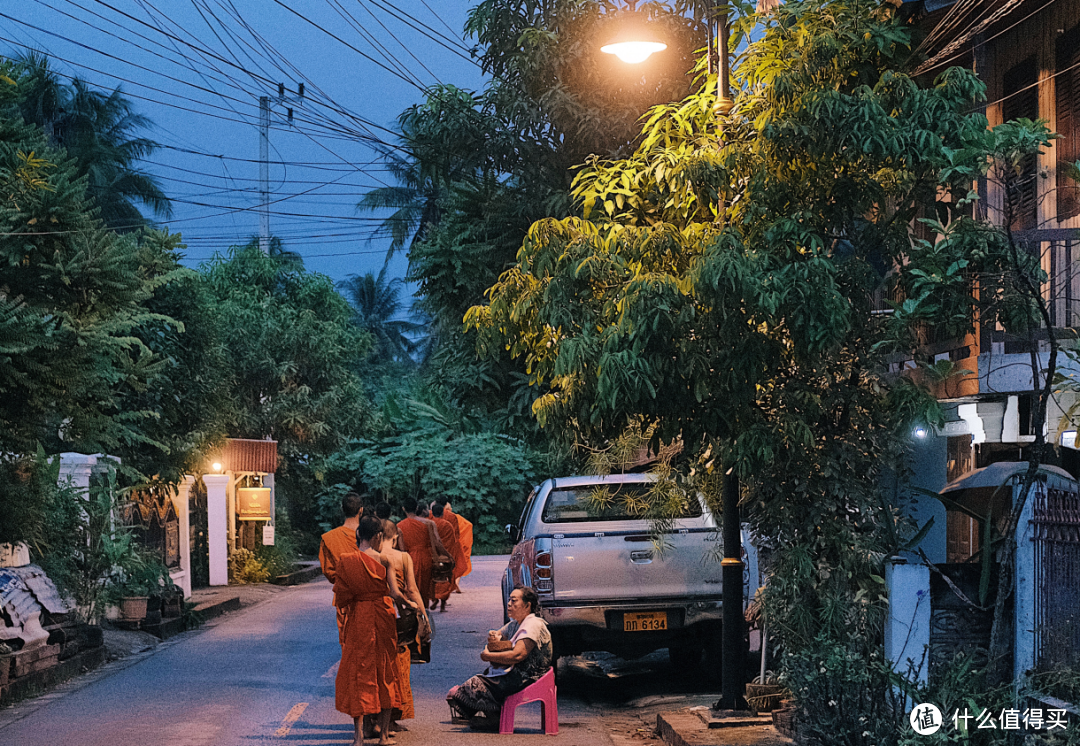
(764,697)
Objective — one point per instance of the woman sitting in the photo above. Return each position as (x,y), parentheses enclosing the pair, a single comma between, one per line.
(528,658)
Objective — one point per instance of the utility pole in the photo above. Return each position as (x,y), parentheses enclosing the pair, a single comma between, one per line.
(264,174)
(264,157)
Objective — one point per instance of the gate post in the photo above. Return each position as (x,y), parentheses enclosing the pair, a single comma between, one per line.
(907,630)
(1024,585)
(180,503)
(217,526)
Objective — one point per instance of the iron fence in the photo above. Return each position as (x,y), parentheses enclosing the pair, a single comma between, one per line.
(1056,523)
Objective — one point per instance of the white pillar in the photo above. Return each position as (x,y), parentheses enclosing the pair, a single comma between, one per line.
(1024,587)
(268,481)
(217,523)
(230,510)
(180,503)
(77,468)
(907,630)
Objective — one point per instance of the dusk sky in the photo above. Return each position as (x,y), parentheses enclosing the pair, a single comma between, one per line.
(196,68)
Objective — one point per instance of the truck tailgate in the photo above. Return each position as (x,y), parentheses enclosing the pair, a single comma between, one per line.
(624,565)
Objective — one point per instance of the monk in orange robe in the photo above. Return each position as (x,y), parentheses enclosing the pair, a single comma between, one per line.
(339,542)
(366,682)
(423,545)
(465,541)
(403,570)
(449,539)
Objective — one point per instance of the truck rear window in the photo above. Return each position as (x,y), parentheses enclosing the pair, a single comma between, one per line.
(616,502)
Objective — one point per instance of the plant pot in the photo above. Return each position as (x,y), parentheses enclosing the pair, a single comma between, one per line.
(764,697)
(133,608)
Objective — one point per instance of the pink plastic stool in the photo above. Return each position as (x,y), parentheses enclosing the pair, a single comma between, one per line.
(544,691)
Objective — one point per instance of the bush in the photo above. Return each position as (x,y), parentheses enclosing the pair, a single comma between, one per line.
(245,567)
(844,696)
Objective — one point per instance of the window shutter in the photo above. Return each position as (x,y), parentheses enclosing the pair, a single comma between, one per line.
(1022,102)
(1067,103)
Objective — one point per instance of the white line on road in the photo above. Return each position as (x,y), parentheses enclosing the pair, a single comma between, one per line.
(292,717)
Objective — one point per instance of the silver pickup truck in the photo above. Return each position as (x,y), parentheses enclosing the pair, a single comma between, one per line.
(603,585)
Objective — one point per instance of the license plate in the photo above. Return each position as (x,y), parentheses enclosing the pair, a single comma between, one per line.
(644,621)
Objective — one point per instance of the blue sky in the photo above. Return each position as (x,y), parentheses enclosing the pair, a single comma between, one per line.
(197,69)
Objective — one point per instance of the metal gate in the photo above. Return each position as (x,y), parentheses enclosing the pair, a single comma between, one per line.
(1056,522)
(152,511)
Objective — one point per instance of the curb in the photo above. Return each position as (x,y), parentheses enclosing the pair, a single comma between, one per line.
(210,609)
(39,681)
(296,577)
(686,728)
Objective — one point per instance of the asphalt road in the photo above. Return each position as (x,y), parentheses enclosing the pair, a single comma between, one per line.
(266,675)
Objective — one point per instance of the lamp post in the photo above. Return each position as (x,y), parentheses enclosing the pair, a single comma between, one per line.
(638,42)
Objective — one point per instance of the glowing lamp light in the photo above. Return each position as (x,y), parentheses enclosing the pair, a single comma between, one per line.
(635,42)
(920,432)
(634,52)
(216,466)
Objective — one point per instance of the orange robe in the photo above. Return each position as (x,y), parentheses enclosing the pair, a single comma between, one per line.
(404,665)
(335,544)
(367,676)
(465,540)
(448,536)
(418,544)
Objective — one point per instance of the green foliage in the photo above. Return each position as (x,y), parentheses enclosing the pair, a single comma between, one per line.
(245,567)
(71,303)
(844,695)
(718,290)
(377,306)
(292,352)
(429,446)
(99,133)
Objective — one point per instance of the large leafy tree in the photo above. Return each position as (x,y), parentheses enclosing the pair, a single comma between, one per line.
(717,287)
(100,131)
(71,296)
(292,349)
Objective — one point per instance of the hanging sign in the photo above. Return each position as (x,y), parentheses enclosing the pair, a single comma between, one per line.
(268,535)
(253,503)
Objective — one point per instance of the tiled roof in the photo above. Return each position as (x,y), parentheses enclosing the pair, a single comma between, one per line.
(250,455)
(25,591)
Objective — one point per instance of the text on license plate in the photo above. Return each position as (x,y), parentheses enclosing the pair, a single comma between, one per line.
(644,621)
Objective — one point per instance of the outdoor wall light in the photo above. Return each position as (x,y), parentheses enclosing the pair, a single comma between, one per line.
(216,466)
(920,432)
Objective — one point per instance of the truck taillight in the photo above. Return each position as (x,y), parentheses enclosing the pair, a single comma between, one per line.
(544,560)
(543,572)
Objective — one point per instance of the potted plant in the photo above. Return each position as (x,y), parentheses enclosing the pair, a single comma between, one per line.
(141,576)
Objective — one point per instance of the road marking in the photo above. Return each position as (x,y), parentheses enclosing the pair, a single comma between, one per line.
(292,717)
(332,672)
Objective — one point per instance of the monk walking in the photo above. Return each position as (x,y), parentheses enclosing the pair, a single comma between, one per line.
(423,545)
(403,570)
(338,542)
(465,540)
(448,535)
(366,679)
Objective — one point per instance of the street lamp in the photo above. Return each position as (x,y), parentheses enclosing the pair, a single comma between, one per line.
(639,42)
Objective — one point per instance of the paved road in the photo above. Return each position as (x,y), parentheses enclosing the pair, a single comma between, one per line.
(265,675)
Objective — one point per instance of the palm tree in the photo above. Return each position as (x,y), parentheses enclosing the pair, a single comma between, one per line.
(98,130)
(376,302)
(430,155)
